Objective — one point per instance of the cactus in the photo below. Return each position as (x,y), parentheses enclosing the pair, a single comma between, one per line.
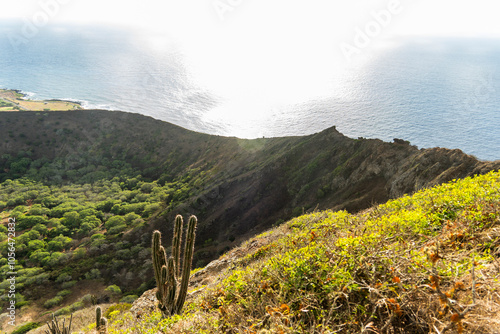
(176,244)
(100,321)
(172,284)
(104,323)
(54,329)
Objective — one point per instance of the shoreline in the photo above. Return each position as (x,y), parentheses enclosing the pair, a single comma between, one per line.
(16,100)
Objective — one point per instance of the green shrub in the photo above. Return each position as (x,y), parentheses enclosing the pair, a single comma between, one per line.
(38,279)
(93,274)
(63,293)
(129,299)
(67,285)
(37,210)
(150,209)
(114,289)
(117,229)
(63,311)
(59,243)
(114,221)
(26,328)
(57,258)
(136,208)
(21,304)
(115,225)
(26,221)
(71,219)
(97,237)
(86,300)
(69,309)
(79,253)
(122,307)
(77,306)
(40,228)
(57,300)
(132,218)
(64,277)
(34,245)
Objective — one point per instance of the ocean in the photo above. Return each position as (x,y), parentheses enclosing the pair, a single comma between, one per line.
(434,92)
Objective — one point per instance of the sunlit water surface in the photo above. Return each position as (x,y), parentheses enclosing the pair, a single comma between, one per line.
(436,92)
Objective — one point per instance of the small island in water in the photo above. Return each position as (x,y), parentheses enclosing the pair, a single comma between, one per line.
(15,100)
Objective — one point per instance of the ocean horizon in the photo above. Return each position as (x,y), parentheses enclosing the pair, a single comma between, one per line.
(433,92)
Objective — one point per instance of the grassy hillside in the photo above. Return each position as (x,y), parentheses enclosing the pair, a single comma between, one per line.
(87,188)
(418,264)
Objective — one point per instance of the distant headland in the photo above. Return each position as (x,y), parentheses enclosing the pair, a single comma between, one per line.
(15,100)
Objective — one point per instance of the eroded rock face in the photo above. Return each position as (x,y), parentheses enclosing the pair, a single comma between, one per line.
(145,304)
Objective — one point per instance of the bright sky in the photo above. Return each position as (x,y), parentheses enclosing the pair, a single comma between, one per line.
(293,49)
(208,16)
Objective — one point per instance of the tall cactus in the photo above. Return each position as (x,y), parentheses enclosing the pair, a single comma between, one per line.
(54,329)
(100,321)
(172,287)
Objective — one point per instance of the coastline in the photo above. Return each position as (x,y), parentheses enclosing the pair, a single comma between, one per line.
(15,100)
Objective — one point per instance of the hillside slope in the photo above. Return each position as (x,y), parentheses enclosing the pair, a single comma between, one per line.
(418,264)
(239,184)
(88,187)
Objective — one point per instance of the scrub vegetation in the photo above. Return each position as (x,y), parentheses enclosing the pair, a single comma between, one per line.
(417,264)
(88,188)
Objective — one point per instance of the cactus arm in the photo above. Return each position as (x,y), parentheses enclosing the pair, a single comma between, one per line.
(70,322)
(98,314)
(188,258)
(158,253)
(171,285)
(100,321)
(104,324)
(54,329)
(159,263)
(176,244)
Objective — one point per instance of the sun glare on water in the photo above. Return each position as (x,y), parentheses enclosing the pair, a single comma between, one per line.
(260,58)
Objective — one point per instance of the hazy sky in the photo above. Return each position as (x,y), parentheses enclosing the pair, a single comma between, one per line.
(313,40)
(417,16)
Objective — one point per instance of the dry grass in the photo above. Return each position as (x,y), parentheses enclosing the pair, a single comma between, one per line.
(81,320)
